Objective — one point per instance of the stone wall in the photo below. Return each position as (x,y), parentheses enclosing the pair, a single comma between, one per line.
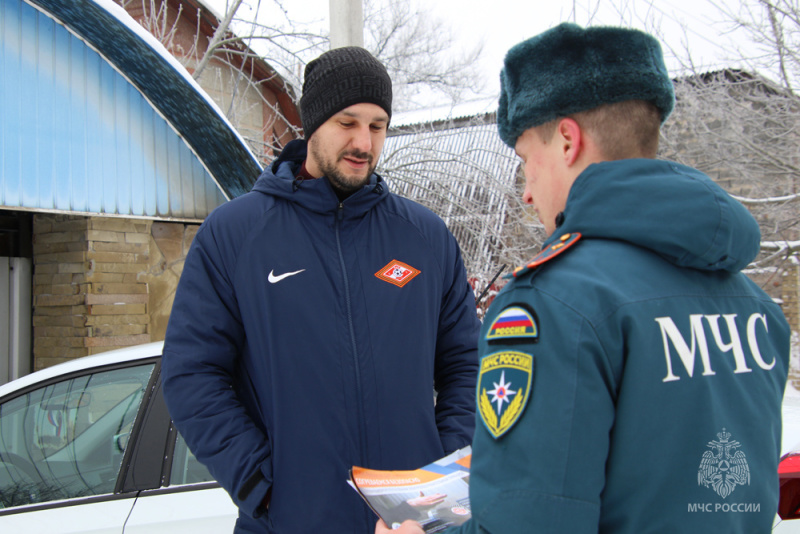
(169,245)
(102,283)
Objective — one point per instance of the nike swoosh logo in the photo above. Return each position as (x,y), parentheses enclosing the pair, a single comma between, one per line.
(272,278)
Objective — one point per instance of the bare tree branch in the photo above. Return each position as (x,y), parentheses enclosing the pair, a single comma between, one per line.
(217,39)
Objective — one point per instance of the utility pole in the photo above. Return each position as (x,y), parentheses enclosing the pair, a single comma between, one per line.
(347,23)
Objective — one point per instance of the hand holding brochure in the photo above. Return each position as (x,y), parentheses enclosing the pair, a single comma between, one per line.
(436,495)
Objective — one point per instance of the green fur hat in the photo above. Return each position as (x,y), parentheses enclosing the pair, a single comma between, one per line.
(568,69)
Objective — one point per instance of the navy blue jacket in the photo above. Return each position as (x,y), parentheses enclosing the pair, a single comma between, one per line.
(308,335)
(656,368)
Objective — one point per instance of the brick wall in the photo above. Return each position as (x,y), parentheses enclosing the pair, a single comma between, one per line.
(101,283)
(790,303)
(790,300)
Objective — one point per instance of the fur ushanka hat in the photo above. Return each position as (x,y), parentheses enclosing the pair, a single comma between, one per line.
(568,69)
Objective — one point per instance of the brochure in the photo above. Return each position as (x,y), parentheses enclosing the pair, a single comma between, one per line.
(436,495)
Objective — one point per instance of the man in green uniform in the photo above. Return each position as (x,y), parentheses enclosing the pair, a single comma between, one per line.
(631,376)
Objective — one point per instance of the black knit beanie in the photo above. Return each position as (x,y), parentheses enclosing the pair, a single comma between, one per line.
(341,78)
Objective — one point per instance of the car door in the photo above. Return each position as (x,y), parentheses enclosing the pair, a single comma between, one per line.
(187,500)
(63,449)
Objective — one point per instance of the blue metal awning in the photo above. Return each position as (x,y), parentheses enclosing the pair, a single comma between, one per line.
(95,119)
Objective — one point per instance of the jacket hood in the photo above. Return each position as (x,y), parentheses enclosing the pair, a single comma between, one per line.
(673,210)
(279,179)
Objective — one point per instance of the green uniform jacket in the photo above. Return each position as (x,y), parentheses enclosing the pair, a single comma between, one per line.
(631,379)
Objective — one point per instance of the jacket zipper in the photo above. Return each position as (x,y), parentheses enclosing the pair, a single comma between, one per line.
(354,347)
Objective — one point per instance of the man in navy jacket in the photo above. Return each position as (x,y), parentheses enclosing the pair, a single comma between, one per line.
(315,318)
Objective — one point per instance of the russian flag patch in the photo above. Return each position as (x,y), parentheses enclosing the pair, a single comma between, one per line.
(514,322)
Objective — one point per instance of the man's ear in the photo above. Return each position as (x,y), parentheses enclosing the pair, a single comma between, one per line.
(572,141)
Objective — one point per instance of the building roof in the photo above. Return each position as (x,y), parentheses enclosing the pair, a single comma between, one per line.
(444,116)
(100,118)
(166,84)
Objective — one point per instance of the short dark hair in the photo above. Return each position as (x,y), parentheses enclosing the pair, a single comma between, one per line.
(622,130)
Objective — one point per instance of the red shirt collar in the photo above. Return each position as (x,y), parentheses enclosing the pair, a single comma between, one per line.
(304,174)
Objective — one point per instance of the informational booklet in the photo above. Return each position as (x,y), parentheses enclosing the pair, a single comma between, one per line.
(436,495)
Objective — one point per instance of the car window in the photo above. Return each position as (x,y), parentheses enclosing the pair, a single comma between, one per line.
(67,439)
(186,469)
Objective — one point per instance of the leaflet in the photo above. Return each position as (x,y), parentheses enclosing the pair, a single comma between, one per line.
(436,495)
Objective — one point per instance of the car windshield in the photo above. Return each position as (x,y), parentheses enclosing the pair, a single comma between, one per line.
(67,439)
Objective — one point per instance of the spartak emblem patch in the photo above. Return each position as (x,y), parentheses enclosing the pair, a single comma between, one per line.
(397,273)
(504,385)
(514,322)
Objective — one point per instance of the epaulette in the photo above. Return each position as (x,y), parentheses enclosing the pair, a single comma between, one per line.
(563,243)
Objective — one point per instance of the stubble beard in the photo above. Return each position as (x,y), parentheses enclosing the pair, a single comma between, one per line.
(338,179)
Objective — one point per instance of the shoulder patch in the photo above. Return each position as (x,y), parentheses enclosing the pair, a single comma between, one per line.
(564,242)
(504,387)
(514,322)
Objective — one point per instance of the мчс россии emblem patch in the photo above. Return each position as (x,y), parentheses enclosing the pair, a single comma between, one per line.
(504,385)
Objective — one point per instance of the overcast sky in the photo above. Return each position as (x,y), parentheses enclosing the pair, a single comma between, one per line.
(507,22)
(499,24)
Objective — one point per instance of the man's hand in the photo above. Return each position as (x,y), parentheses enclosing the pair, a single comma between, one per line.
(408,527)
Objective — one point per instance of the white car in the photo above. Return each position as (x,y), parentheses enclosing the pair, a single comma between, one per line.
(88,446)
